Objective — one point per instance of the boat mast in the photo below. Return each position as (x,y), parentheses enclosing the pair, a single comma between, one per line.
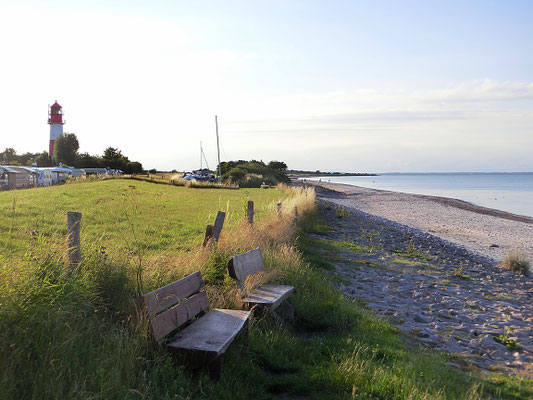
(218,151)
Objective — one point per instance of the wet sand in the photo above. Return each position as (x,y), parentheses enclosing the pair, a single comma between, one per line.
(488,232)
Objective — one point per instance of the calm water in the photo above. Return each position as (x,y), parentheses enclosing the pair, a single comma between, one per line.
(512,192)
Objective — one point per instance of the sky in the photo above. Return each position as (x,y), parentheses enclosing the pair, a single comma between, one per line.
(355,86)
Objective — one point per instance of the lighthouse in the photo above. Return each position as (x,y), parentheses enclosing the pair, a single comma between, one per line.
(55,120)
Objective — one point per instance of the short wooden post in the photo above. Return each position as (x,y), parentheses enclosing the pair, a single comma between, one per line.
(296,212)
(74,247)
(219,223)
(208,234)
(213,231)
(279,209)
(250,212)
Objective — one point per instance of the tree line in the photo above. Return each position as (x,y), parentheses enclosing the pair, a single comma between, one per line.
(66,152)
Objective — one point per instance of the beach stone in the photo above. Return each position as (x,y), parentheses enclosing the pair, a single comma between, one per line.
(418,318)
(441,310)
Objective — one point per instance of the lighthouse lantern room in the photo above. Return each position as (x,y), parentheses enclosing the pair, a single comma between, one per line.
(55,120)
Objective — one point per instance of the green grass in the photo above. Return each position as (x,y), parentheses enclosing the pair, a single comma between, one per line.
(120,214)
(65,337)
(353,247)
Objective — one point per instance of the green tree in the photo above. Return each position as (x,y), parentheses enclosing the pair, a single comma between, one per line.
(278,166)
(27,158)
(8,156)
(134,167)
(43,159)
(112,154)
(66,148)
(114,159)
(86,160)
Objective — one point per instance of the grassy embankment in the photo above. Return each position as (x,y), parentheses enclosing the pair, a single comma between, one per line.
(64,337)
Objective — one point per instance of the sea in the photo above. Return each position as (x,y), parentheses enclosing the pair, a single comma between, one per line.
(511,192)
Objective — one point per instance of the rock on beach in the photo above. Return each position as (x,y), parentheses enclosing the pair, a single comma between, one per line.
(431,267)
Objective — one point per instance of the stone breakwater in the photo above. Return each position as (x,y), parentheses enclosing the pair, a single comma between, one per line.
(443,295)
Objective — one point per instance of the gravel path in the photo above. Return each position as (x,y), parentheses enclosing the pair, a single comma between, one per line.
(445,293)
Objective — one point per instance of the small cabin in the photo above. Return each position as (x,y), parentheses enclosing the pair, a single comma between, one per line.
(32,176)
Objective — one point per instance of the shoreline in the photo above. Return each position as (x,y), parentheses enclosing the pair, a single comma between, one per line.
(489,232)
(483,204)
(449,201)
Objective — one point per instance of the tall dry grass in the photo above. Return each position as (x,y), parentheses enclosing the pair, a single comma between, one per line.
(273,234)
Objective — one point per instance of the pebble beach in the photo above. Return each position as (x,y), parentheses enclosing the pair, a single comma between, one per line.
(432,267)
(489,232)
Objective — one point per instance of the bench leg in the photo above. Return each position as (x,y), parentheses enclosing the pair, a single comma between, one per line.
(215,368)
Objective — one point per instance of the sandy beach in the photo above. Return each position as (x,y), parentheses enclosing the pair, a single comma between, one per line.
(488,232)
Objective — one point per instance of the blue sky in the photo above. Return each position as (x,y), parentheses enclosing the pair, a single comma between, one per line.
(331,85)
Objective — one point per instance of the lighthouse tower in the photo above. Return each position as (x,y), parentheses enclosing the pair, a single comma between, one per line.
(55,119)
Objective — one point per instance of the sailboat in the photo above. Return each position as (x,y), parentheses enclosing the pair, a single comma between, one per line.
(202,174)
(205,174)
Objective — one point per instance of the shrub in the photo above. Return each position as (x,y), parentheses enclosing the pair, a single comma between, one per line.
(254,173)
(517,263)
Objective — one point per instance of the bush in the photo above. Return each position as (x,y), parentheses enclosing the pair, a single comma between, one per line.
(517,263)
(253,173)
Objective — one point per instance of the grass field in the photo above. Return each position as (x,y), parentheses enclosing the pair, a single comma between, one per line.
(77,337)
(118,212)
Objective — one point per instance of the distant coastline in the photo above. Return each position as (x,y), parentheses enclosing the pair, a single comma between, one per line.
(293,173)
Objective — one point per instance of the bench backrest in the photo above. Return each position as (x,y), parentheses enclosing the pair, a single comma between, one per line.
(245,264)
(174,304)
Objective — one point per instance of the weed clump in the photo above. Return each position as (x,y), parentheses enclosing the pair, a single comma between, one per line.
(517,263)
(340,212)
(506,340)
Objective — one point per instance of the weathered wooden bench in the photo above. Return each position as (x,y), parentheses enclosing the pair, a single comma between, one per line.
(268,296)
(204,341)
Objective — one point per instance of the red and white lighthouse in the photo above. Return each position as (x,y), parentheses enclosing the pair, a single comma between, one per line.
(55,119)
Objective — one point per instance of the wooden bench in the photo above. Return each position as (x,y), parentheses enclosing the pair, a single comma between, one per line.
(204,341)
(269,296)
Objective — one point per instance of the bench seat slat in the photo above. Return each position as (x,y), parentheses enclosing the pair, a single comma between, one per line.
(171,294)
(269,295)
(212,333)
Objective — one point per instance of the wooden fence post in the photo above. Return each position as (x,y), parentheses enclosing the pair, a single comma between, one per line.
(213,231)
(250,212)
(279,210)
(208,234)
(73,239)
(219,223)
(296,212)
